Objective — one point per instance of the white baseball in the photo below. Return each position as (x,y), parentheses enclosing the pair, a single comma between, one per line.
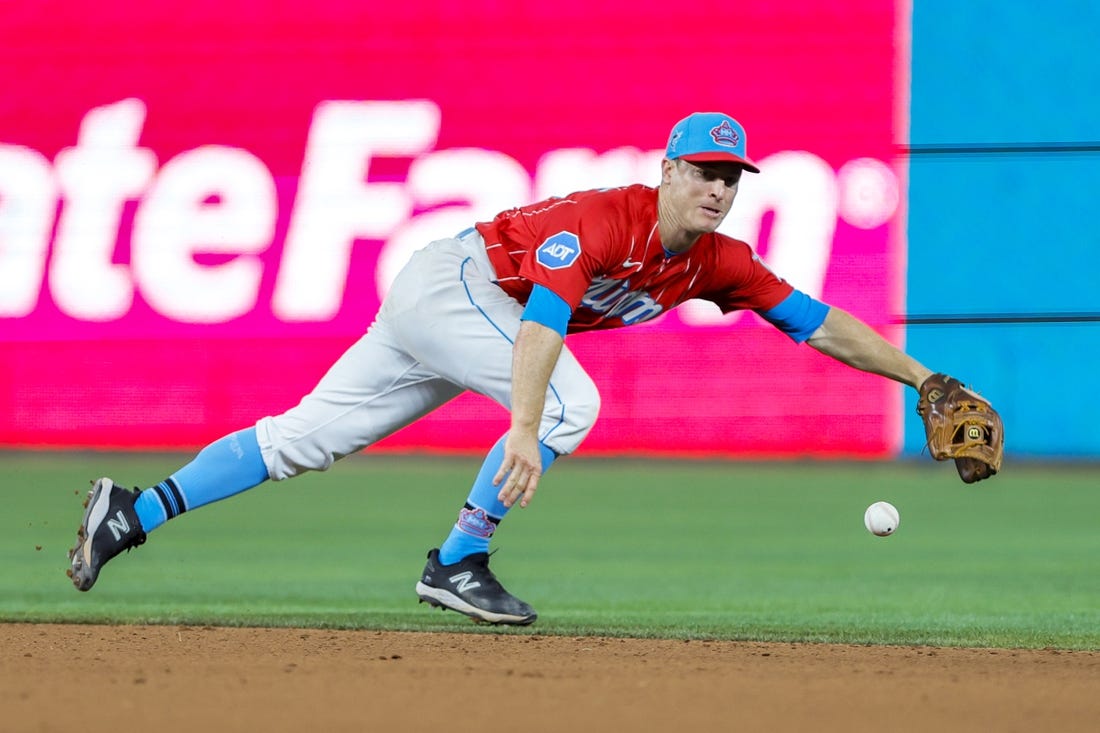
(881,518)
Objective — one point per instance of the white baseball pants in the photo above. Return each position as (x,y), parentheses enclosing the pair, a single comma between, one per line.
(444,328)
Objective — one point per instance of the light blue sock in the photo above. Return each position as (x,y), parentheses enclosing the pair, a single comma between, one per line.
(225,467)
(478,519)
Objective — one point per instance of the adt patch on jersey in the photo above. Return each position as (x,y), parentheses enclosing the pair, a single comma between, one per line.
(560,250)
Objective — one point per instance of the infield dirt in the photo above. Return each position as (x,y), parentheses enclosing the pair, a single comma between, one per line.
(172,678)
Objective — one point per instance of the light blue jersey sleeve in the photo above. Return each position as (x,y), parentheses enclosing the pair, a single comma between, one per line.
(547,307)
(798,315)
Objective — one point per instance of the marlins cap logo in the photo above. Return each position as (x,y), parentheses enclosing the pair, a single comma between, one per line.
(724,134)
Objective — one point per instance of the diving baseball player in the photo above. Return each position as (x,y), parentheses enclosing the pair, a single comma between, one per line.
(487,311)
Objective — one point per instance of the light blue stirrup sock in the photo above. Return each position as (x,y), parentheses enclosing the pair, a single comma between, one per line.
(478,519)
(225,467)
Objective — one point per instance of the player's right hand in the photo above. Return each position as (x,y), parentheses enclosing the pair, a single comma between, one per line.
(520,470)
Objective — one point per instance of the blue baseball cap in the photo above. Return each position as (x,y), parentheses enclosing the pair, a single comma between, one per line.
(709,137)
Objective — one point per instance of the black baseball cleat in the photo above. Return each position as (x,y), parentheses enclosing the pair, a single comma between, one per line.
(110,525)
(469,587)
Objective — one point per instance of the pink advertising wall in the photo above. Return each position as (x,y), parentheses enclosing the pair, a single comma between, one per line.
(201,207)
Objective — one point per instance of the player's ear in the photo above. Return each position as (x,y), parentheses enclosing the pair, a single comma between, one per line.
(666,170)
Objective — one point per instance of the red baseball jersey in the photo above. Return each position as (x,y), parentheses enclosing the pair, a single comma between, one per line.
(600,251)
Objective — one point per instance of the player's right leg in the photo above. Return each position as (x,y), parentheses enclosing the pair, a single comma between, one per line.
(118,519)
(371,391)
(109,526)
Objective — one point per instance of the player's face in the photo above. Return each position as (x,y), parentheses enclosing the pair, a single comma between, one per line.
(701,193)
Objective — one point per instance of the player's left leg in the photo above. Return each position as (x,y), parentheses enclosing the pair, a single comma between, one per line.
(457,575)
(476,352)
(478,356)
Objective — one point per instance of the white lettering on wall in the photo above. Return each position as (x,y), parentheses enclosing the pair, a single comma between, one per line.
(210,200)
(97,177)
(800,190)
(28,199)
(869,193)
(204,221)
(443,178)
(336,205)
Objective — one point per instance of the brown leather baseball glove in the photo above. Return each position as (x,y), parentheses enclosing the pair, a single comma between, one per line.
(961,425)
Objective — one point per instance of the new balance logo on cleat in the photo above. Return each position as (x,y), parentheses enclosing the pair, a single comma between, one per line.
(471,589)
(465,581)
(110,525)
(118,526)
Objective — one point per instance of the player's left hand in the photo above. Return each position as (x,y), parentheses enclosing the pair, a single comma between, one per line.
(960,424)
(520,470)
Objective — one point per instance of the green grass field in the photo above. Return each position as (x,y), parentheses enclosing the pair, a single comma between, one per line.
(617,547)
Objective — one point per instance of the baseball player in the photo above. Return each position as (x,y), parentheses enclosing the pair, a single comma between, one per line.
(487,311)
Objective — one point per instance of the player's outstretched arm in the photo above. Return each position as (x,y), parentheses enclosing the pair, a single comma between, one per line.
(958,423)
(851,341)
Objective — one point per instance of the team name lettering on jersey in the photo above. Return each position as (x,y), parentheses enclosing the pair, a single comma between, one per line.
(614,299)
(560,250)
